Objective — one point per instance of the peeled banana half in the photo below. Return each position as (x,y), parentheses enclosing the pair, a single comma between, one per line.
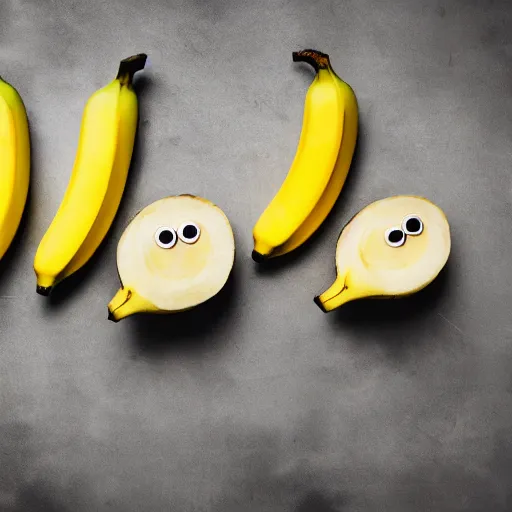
(14,163)
(392,248)
(175,254)
(320,167)
(97,181)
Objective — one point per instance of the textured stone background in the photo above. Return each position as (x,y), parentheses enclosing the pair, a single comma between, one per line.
(259,402)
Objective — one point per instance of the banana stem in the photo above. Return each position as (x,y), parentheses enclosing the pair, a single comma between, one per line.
(315,58)
(128,67)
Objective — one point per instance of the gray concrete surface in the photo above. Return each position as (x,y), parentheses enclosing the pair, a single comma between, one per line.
(259,402)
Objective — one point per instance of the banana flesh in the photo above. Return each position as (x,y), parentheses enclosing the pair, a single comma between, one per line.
(14,163)
(320,167)
(97,182)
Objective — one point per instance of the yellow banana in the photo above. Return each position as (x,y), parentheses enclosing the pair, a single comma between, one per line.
(320,167)
(14,163)
(97,183)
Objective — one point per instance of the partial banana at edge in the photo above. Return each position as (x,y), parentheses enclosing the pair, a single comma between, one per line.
(14,163)
(97,182)
(320,167)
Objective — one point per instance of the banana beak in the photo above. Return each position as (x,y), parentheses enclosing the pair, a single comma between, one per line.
(125,303)
(339,293)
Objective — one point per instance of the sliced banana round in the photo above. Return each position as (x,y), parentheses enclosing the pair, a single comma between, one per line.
(393,247)
(156,279)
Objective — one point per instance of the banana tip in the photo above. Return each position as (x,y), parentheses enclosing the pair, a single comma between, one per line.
(112,317)
(258,257)
(43,290)
(319,303)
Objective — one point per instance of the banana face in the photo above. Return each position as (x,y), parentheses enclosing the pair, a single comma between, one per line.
(180,249)
(175,254)
(393,247)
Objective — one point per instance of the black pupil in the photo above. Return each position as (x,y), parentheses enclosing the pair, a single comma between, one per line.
(189,231)
(166,236)
(395,236)
(413,225)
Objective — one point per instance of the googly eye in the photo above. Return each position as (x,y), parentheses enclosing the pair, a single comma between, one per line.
(395,237)
(189,232)
(412,225)
(165,237)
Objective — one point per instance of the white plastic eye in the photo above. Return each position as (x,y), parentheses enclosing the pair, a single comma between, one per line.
(189,232)
(395,237)
(412,225)
(165,237)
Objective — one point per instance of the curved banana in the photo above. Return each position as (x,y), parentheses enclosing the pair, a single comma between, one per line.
(94,192)
(14,163)
(320,167)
